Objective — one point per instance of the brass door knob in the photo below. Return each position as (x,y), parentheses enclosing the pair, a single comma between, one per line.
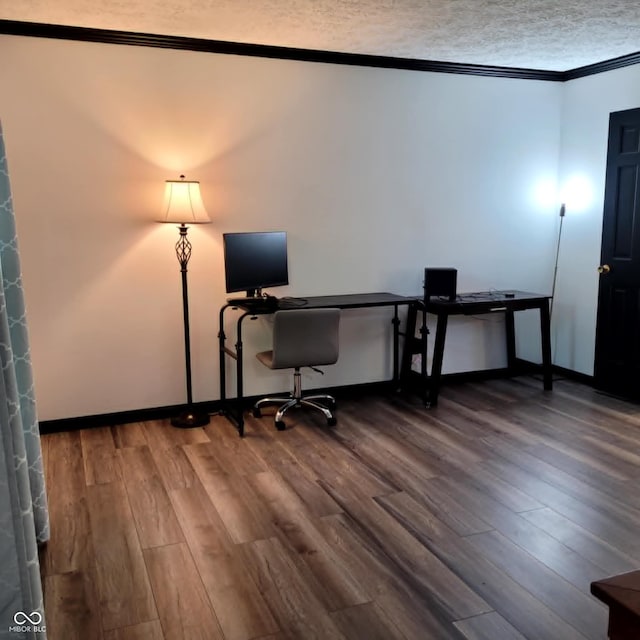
(604,268)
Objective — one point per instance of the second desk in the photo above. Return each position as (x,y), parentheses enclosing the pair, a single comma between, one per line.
(471,304)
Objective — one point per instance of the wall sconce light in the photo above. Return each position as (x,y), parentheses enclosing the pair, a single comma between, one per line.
(183,205)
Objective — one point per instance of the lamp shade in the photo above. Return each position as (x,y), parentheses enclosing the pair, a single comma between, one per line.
(183,203)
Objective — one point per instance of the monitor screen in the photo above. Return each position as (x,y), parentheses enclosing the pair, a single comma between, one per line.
(255,260)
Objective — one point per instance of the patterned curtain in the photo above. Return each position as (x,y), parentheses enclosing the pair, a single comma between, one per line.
(23,506)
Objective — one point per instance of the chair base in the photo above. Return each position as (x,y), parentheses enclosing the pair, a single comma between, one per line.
(314,402)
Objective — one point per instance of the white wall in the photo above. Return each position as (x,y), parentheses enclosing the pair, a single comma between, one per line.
(587,103)
(373,173)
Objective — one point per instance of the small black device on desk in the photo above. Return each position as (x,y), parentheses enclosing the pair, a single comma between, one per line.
(440,281)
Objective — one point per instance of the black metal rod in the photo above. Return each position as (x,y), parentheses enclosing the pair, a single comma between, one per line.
(183,253)
(396,345)
(222,349)
(555,268)
(187,336)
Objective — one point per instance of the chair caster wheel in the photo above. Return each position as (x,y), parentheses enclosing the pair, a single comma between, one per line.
(332,422)
(256,412)
(280,425)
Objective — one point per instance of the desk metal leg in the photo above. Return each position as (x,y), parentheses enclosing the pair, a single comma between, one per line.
(396,347)
(424,375)
(438,354)
(239,379)
(221,349)
(545,334)
(510,332)
(233,409)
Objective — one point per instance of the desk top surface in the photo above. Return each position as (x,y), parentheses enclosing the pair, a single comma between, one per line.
(346,301)
(489,300)
(343,301)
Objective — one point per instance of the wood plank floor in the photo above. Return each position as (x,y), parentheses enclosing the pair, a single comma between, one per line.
(486,518)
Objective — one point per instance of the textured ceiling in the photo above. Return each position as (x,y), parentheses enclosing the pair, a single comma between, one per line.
(555,35)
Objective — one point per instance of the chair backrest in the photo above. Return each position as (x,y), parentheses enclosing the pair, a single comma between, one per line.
(305,337)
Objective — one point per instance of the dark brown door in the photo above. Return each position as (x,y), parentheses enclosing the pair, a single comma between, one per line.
(617,354)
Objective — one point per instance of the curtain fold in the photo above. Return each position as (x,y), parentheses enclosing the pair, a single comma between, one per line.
(23,505)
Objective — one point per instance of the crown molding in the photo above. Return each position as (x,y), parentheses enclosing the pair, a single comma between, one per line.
(606,65)
(85,34)
(108,36)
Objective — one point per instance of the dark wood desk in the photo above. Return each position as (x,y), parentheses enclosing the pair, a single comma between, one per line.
(622,595)
(233,408)
(507,302)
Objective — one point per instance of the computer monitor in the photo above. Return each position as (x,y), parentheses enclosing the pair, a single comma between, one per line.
(255,260)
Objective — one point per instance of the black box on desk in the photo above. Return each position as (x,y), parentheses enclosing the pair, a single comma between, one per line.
(440,282)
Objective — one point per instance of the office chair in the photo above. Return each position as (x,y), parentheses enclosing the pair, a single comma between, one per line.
(302,338)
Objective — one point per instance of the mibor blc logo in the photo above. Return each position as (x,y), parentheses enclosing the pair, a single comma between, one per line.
(29,622)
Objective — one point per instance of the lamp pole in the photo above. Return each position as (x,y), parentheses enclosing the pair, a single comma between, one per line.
(183,252)
(555,269)
(189,417)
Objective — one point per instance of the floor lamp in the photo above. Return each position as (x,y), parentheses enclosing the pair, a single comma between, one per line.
(183,205)
(555,269)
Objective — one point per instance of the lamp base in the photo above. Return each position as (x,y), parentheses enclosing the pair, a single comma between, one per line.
(190,418)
